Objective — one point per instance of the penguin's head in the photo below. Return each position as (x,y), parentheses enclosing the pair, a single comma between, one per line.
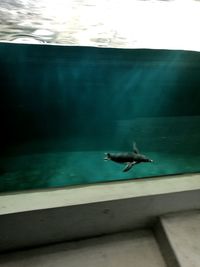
(145,159)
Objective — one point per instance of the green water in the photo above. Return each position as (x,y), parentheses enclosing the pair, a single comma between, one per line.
(62,108)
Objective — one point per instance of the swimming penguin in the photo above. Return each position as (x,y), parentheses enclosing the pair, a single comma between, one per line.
(129,158)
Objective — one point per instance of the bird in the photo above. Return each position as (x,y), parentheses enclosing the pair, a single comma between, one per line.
(128,158)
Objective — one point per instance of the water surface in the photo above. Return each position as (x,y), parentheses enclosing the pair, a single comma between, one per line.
(109,23)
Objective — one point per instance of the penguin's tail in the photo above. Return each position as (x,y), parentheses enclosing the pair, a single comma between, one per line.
(107,156)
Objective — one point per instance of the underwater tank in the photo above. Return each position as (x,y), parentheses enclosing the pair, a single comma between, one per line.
(63,107)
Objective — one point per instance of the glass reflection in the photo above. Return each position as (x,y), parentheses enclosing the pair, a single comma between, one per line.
(167,24)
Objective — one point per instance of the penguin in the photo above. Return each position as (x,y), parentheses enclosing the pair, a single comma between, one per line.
(128,158)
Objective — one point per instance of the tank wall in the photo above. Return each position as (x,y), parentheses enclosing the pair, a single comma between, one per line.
(54,91)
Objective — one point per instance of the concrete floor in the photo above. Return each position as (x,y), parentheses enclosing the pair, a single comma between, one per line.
(178,239)
(138,249)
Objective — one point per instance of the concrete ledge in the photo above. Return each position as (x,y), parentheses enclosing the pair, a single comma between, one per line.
(77,195)
(37,218)
(182,233)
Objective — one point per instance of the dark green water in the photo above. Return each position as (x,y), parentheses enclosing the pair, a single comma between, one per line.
(62,108)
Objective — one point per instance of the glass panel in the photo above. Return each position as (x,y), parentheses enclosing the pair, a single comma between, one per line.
(62,108)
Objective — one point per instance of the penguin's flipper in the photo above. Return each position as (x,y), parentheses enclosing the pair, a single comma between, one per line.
(135,149)
(129,166)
